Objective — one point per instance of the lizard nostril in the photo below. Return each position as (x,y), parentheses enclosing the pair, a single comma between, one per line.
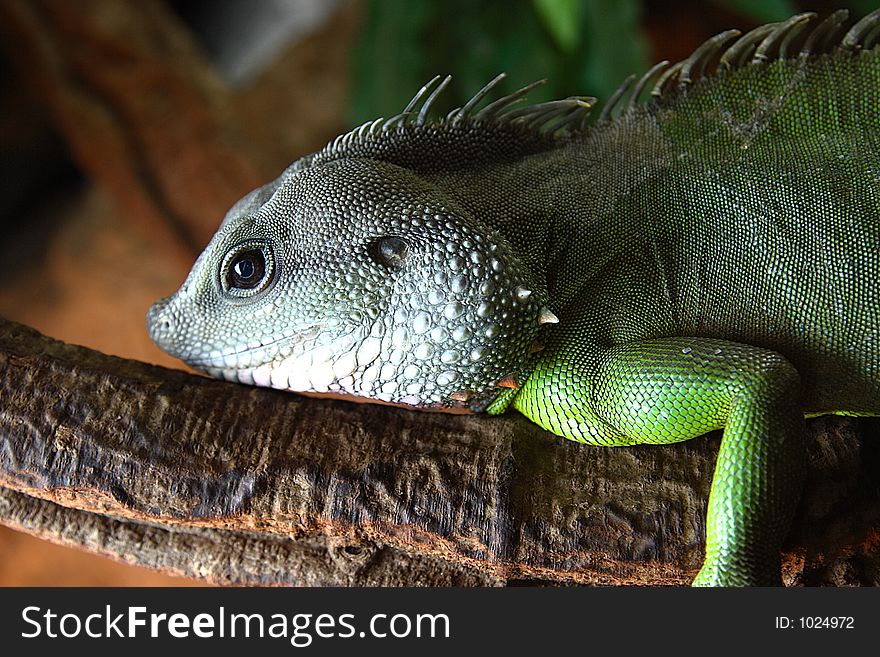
(158,321)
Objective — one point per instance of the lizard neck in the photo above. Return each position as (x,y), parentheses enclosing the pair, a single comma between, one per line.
(556,207)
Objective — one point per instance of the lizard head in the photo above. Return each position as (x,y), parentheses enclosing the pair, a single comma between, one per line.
(356,277)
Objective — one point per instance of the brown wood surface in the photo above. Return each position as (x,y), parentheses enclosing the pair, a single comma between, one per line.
(246,485)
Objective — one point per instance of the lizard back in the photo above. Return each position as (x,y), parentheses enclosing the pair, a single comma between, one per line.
(750,212)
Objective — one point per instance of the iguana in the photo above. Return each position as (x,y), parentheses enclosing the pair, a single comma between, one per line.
(704,258)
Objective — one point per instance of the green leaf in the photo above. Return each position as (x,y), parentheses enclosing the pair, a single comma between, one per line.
(404,43)
(766,11)
(861,8)
(615,46)
(562,18)
(389,56)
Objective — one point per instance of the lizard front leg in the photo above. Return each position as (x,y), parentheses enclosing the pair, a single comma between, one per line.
(669,390)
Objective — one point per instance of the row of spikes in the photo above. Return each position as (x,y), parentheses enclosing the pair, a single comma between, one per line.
(555,116)
(729,50)
(764,44)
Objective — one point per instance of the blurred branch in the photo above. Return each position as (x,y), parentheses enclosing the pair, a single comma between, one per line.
(141,110)
(248,485)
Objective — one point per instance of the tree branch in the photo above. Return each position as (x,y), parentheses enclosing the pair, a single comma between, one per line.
(247,485)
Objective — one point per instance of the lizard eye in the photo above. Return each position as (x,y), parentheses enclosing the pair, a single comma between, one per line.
(391,251)
(247,269)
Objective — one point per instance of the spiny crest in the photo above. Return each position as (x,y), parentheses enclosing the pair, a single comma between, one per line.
(548,121)
(549,118)
(796,38)
(415,138)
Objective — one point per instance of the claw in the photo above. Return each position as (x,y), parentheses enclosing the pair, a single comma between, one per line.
(508,381)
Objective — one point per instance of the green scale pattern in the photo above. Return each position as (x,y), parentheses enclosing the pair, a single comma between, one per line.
(738,290)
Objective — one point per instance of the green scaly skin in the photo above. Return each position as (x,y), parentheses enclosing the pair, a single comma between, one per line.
(711,257)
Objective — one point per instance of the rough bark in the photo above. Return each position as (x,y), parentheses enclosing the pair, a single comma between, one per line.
(246,485)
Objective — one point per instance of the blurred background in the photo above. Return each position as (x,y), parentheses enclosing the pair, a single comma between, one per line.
(128,128)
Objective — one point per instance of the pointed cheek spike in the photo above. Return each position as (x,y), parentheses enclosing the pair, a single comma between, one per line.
(537,348)
(460,395)
(546,317)
(522,293)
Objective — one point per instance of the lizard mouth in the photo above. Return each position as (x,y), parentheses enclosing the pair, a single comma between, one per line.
(256,353)
(463,402)
(400,367)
